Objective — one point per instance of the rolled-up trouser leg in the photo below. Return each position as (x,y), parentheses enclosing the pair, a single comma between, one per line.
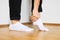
(15,9)
(39,7)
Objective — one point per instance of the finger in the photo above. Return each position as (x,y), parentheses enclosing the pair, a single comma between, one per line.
(33,19)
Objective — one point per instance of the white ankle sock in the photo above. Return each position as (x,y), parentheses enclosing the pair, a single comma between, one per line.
(40,25)
(20,27)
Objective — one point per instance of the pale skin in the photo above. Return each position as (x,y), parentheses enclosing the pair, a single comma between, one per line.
(35,14)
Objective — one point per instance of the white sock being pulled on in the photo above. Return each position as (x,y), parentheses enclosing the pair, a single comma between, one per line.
(20,27)
(39,24)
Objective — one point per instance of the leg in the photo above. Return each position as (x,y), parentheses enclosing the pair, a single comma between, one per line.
(15,10)
(36,16)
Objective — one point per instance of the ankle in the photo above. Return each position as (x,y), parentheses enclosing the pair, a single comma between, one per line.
(14,21)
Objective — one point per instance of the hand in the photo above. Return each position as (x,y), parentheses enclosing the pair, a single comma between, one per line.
(36,13)
(35,16)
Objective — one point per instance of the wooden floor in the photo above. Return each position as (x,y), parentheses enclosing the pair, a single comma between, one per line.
(53,34)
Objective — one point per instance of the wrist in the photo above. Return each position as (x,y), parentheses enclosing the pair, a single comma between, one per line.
(35,10)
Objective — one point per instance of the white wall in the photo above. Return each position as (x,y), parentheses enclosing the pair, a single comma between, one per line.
(4,12)
(50,14)
(51,11)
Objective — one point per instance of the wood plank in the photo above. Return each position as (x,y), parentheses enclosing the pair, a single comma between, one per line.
(53,34)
